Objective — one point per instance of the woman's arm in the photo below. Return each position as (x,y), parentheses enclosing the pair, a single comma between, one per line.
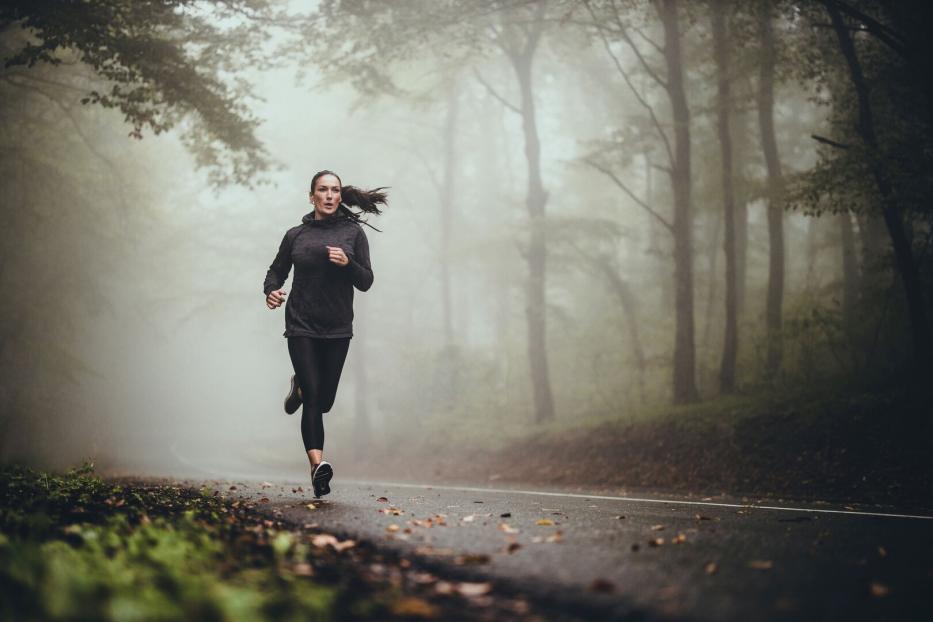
(281,265)
(361,273)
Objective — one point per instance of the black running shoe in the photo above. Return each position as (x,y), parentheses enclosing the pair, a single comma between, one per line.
(293,399)
(320,480)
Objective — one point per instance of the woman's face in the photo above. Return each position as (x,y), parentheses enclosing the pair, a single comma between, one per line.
(326,195)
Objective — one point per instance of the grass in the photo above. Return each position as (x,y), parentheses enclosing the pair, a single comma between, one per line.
(74,547)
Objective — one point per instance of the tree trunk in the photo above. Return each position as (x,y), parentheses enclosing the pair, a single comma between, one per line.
(684,381)
(362,427)
(447,208)
(536,199)
(893,217)
(629,302)
(775,299)
(850,277)
(740,213)
(723,104)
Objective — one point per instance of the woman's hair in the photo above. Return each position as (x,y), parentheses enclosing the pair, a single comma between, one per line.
(367,200)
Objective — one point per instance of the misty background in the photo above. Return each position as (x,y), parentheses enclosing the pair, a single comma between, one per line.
(516,291)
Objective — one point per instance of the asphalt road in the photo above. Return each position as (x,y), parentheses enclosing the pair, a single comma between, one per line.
(649,558)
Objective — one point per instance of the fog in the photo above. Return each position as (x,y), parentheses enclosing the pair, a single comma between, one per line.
(135,332)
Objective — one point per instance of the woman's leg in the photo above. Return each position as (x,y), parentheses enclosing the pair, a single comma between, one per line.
(302,351)
(332,353)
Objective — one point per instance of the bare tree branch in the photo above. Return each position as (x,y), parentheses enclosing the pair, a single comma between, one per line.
(493,92)
(644,63)
(641,100)
(829,141)
(602,169)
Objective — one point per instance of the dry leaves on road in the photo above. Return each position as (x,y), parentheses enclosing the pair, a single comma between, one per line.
(507,528)
(761,564)
(711,568)
(466,588)
(322,540)
(413,607)
(544,521)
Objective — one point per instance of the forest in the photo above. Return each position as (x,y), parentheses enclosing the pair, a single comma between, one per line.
(678,243)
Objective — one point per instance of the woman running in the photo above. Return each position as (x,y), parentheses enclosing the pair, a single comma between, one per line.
(331,256)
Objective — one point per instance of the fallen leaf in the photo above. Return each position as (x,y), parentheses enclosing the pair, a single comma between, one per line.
(761,564)
(505,515)
(657,527)
(267,485)
(882,552)
(413,607)
(393,527)
(512,547)
(507,528)
(344,545)
(323,539)
(422,578)
(679,538)
(602,585)
(620,517)
(392,511)
(656,542)
(557,536)
(264,500)
(468,519)
(311,506)
(701,517)
(544,521)
(472,559)
(465,588)
(383,499)
(879,590)
(232,488)
(710,568)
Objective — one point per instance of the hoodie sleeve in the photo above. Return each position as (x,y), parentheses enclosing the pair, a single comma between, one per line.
(361,273)
(281,265)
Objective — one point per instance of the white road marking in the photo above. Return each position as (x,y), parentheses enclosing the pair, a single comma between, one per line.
(643,500)
(252,476)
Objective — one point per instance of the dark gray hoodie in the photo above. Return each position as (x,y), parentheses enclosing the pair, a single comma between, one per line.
(321,301)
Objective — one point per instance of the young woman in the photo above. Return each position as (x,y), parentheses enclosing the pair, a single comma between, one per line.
(331,256)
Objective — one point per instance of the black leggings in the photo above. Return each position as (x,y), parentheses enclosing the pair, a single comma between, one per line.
(317,363)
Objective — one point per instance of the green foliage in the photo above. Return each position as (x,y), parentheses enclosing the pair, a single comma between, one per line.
(74,547)
(156,62)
